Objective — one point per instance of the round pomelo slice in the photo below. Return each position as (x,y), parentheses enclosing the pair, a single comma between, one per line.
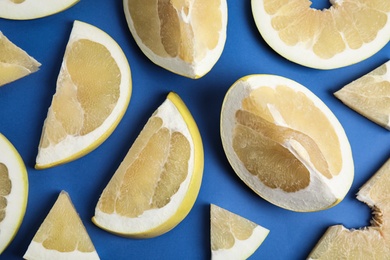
(15,63)
(13,192)
(61,235)
(285,143)
(186,37)
(346,33)
(32,9)
(92,95)
(370,95)
(371,242)
(232,236)
(158,181)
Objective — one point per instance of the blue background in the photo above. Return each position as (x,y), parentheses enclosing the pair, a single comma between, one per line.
(24,104)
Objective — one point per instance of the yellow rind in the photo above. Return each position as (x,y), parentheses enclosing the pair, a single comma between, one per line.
(193,187)
(23,172)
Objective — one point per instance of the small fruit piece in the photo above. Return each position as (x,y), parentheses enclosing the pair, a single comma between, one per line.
(15,63)
(32,9)
(62,235)
(370,95)
(346,33)
(371,242)
(158,182)
(13,192)
(285,143)
(232,236)
(186,37)
(93,93)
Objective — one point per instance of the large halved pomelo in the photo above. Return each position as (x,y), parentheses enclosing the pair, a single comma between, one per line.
(285,143)
(346,33)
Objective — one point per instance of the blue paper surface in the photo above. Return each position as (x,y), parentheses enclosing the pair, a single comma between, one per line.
(24,104)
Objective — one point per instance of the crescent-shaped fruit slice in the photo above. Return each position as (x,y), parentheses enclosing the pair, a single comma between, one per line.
(371,242)
(370,95)
(92,95)
(32,9)
(61,235)
(346,33)
(158,181)
(15,63)
(13,192)
(285,143)
(186,37)
(232,236)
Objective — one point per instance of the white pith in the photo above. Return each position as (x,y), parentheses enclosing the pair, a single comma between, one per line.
(302,53)
(196,69)
(31,9)
(17,199)
(36,251)
(73,145)
(153,218)
(321,192)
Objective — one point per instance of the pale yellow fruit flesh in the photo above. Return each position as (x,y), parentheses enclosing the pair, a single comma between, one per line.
(157,165)
(155,168)
(370,95)
(226,227)
(347,24)
(186,37)
(163,30)
(92,95)
(372,242)
(82,100)
(5,190)
(15,63)
(259,141)
(61,233)
(13,192)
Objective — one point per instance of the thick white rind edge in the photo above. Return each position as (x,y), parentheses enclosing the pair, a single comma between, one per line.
(76,144)
(331,190)
(242,249)
(32,9)
(176,65)
(17,199)
(155,217)
(36,251)
(303,56)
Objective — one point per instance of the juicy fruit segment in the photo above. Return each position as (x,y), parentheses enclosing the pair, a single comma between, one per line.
(371,242)
(32,9)
(186,37)
(285,144)
(13,192)
(370,95)
(62,235)
(347,32)
(15,63)
(232,236)
(158,181)
(93,92)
